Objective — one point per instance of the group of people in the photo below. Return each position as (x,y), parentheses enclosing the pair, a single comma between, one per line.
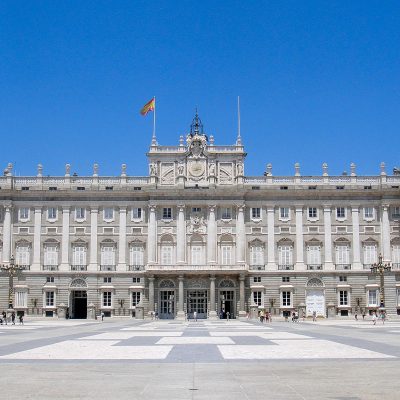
(382,316)
(4,319)
(265,316)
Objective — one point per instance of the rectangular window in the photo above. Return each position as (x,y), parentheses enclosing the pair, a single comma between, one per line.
(79,255)
(312,212)
(23,255)
(52,213)
(226,213)
(286,299)
(313,255)
(21,299)
(136,255)
(257,279)
(24,213)
(368,212)
(226,258)
(342,255)
(107,279)
(136,279)
(50,255)
(197,255)
(167,213)
(285,255)
(285,278)
(396,212)
(256,213)
(107,299)
(343,298)
(196,209)
(284,212)
(50,279)
(396,254)
(372,298)
(257,298)
(135,299)
(369,254)
(108,214)
(136,213)
(49,299)
(79,213)
(342,278)
(108,256)
(166,255)
(340,212)
(256,255)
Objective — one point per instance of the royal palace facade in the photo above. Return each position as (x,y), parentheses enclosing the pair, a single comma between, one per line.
(199,235)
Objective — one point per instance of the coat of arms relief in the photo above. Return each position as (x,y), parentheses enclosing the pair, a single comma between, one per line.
(197,223)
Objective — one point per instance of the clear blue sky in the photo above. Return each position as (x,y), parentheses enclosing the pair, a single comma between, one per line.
(318,81)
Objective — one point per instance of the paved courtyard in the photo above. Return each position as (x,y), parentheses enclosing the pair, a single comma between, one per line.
(331,359)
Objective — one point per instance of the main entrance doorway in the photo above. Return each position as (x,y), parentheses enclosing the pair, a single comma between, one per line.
(197,301)
(315,301)
(167,304)
(78,304)
(227,303)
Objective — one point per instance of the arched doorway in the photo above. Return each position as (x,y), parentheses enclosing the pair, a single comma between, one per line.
(315,297)
(197,298)
(227,299)
(78,299)
(167,299)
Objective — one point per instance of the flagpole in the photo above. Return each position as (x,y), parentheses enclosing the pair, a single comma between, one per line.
(239,138)
(153,139)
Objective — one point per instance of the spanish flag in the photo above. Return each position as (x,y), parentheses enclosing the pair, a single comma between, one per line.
(150,106)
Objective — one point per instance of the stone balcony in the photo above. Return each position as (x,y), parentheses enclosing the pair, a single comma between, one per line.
(50,267)
(78,267)
(197,269)
(342,267)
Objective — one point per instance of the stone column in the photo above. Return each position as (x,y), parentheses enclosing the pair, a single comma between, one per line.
(240,235)
(94,212)
(211,236)
(299,239)
(65,239)
(271,238)
(151,295)
(242,311)
(122,239)
(181,313)
(328,238)
(152,235)
(181,236)
(385,234)
(213,311)
(7,234)
(36,239)
(356,238)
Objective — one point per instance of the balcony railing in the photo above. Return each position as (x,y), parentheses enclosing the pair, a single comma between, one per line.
(78,267)
(395,265)
(50,267)
(135,267)
(174,267)
(107,268)
(314,267)
(367,266)
(257,267)
(342,266)
(286,267)
(25,267)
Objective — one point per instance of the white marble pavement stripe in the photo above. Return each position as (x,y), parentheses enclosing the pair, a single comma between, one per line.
(297,349)
(195,340)
(264,335)
(91,350)
(128,335)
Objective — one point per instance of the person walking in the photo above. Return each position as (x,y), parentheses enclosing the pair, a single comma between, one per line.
(314,316)
(13,318)
(102,316)
(21,319)
(374,318)
(195,316)
(363,315)
(227,315)
(356,316)
(383,317)
(5,317)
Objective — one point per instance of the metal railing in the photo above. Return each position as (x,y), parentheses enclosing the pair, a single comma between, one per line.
(395,265)
(257,267)
(342,266)
(367,266)
(107,267)
(135,267)
(285,267)
(78,267)
(50,267)
(314,267)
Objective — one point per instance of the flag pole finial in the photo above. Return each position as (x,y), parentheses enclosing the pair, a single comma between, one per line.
(239,137)
(153,138)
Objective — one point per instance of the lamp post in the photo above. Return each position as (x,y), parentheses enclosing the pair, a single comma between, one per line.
(380,268)
(11,270)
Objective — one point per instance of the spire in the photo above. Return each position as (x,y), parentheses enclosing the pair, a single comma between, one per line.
(196,128)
